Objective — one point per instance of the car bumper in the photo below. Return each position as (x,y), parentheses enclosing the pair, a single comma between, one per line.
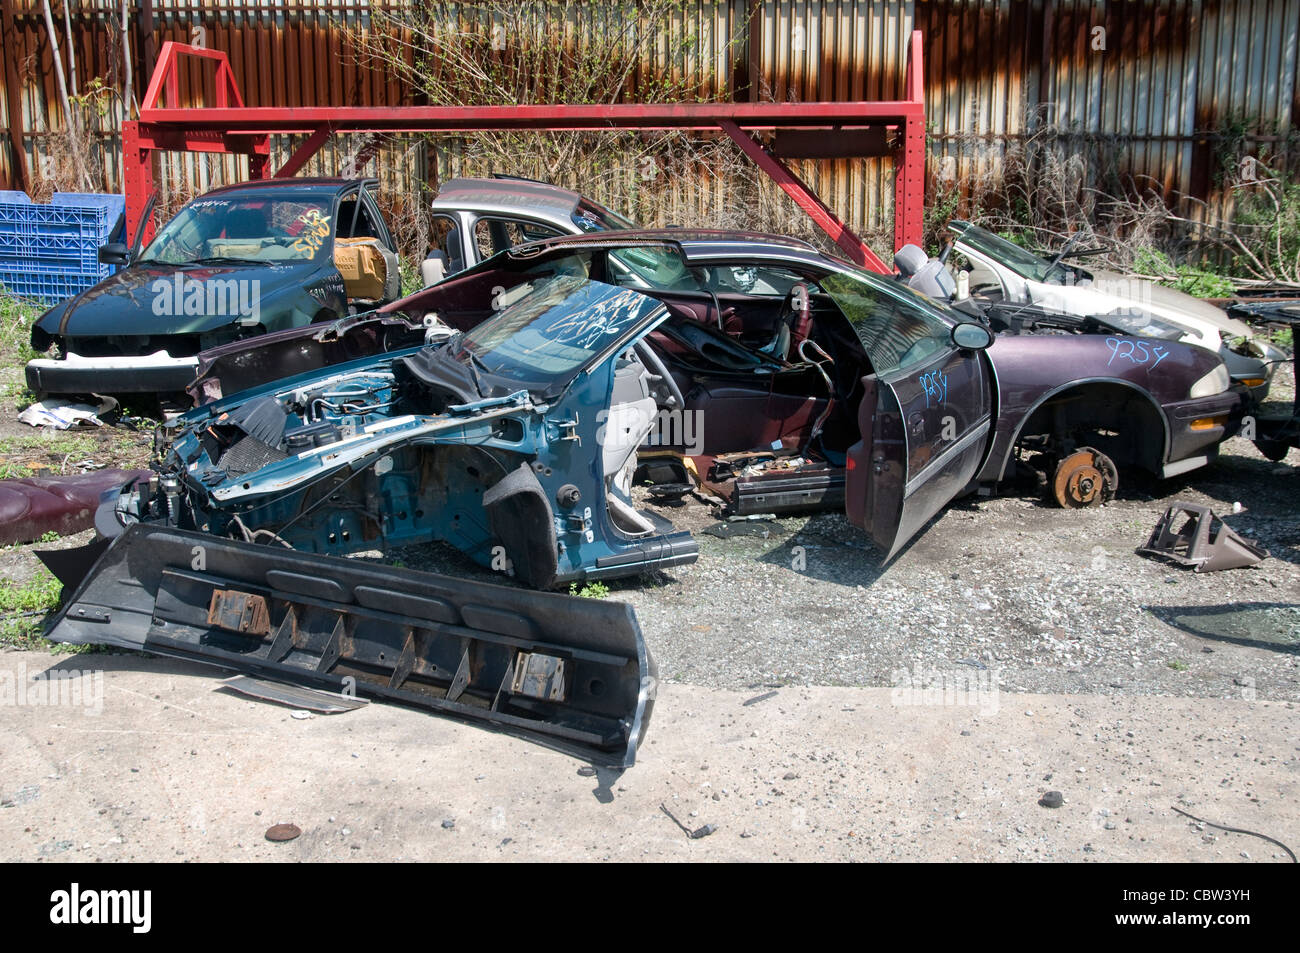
(1254,372)
(1197,427)
(152,373)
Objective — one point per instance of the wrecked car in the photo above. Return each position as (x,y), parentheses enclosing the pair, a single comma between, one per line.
(1016,285)
(514,441)
(781,380)
(476,218)
(232,264)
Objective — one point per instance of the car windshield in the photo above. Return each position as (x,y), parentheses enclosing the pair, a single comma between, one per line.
(1024,263)
(550,330)
(591,217)
(261,227)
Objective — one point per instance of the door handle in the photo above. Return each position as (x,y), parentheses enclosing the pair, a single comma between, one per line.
(915,422)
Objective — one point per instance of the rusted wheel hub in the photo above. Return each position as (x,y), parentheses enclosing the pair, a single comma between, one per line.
(1086,477)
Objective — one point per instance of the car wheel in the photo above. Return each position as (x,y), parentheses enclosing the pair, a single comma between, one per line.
(1086,477)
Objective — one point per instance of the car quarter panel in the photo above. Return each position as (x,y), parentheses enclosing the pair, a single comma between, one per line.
(1030,369)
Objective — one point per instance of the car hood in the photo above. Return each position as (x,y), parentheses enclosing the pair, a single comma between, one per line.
(153,299)
(1171,303)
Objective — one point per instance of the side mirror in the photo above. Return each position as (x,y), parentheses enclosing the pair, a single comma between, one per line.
(971,337)
(114,253)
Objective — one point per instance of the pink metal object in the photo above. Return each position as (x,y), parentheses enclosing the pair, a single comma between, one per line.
(227,126)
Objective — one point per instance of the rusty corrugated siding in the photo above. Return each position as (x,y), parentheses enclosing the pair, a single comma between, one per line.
(1153,106)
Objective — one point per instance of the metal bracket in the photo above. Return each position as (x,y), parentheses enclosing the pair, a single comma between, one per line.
(1204,541)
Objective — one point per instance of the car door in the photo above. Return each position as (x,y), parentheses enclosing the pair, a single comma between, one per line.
(990,278)
(925,414)
(494,234)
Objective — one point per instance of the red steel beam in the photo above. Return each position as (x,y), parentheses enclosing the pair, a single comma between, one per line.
(304,152)
(228,126)
(909,169)
(548,118)
(794,187)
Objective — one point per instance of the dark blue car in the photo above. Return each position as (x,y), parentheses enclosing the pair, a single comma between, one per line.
(234,263)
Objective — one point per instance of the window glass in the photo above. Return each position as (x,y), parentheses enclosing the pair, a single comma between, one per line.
(493,235)
(260,227)
(554,328)
(898,330)
(591,217)
(1024,263)
(757,279)
(364,226)
(446,239)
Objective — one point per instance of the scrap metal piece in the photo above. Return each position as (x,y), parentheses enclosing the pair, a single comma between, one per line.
(539,676)
(1204,541)
(34,506)
(348,625)
(279,833)
(1086,477)
(70,566)
(295,696)
(239,612)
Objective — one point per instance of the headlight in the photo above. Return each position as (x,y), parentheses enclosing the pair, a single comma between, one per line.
(1215,382)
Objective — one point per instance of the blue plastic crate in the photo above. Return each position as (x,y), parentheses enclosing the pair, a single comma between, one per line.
(47,288)
(61,237)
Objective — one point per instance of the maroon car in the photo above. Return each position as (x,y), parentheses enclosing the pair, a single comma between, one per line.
(792,380)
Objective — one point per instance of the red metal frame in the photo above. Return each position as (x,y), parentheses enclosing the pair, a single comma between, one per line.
(227,126)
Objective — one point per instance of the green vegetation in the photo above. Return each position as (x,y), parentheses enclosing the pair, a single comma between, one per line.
(21,609)
(1186,278)
(76,443)
(592,590)
(16,318)
(1178,665)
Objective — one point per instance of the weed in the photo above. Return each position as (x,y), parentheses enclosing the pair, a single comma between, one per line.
(21,607)
(592,590)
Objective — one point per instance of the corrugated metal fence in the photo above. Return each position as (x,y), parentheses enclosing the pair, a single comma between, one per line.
(1128,91)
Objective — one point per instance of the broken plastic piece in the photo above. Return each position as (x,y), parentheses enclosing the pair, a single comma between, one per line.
(1204,541)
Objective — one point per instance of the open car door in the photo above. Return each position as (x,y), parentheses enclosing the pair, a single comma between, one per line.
(924,429)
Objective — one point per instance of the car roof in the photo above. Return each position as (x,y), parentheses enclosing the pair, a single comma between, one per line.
(694,242)
(306,184)
(504,194)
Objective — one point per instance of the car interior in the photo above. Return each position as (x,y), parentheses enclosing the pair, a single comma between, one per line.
(369,267)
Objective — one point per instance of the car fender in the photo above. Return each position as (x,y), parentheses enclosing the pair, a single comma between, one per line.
(1000,455)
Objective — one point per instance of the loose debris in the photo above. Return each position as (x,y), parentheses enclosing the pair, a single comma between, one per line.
(1238,830)
(300,698)
(279,833)
(63,415)
(1204,541)
(696,834)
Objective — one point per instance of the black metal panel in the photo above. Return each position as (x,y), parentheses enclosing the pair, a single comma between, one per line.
(443,644)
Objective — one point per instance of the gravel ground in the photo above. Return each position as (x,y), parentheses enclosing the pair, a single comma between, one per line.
(1005,590)
(173,768)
